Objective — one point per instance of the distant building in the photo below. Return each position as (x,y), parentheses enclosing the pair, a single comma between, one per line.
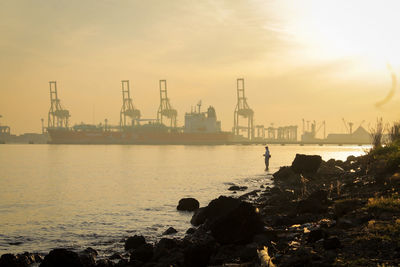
(203,122)
(359,136)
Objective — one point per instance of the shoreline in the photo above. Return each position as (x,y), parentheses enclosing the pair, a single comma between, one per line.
(317,214)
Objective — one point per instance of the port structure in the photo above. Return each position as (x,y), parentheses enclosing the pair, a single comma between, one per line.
(127,110)
(57,117)
(242,109)
(165,109)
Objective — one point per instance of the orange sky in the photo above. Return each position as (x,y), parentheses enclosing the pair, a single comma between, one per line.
(318,60)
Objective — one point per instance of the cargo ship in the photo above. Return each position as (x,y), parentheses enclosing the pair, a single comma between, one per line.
(200,127)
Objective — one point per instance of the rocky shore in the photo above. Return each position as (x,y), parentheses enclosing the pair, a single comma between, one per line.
(333,213)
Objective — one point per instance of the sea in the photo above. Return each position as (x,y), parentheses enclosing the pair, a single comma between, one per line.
(79,196)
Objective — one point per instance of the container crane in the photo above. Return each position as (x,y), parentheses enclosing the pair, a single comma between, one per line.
(242,109)
(57,117)
(165,109)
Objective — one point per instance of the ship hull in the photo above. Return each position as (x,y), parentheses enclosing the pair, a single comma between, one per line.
(61,136)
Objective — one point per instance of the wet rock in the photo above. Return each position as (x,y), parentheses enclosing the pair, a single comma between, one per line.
(237,188)
(61,257)
(214,210)
(332,243)
(239,225)
(190,231)
(88,257)
(115,256)
(104,263)
(197,255)
(199,217)
(188,204)
(134,242)
(317,202)
(301,257)
(287,175)
(167,252)
(351,158)
(264,238)
(143,253)
(328,170)
(9,260)
(316,235)
(170,231)
(306,164)
(248,253)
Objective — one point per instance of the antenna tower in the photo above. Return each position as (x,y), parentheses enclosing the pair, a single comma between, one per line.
(58,117)
(127,109)
(243,110)
(165,109)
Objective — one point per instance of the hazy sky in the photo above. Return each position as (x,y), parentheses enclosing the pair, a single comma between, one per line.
(318,60)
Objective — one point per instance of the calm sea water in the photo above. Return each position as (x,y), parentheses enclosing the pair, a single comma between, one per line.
(77,196)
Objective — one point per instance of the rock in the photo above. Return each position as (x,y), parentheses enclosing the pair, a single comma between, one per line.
(342,207)
(170,231)
(167,252)
(143,253)
(134,242)
(237,188)
(328,170)
(351,158)
(61,257)
(306,164)
(287,175)
(115,256)
(199,217)
(248,253)
(88,257)
(221,206)
(104,263)
(215,208)
(188,204)
(319,195)
(344,224)
(316,235)
(9,260)
(197,255)
(317,202)
(332,243)
(190,231)
(237,226)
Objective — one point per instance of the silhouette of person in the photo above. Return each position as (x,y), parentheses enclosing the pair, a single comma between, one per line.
(267,155)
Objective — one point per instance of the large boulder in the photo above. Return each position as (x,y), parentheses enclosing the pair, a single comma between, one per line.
(197,255)
(188,204)
(88,256)
(215,208)
(61,257)
(143,253)
(199,216)
(9,260)
(230,220)
(306,164)
(287,175)
(134,242)
(238,225)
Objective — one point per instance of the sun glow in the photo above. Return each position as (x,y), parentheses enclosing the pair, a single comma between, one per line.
(338,29)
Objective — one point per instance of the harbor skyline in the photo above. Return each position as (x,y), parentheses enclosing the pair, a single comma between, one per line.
(293,68)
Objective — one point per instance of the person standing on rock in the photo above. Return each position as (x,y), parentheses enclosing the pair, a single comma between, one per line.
(267,155)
